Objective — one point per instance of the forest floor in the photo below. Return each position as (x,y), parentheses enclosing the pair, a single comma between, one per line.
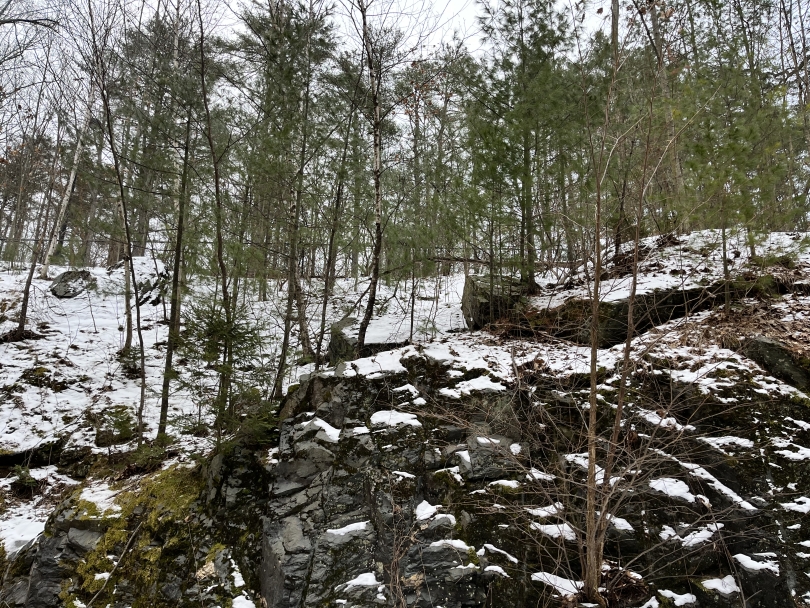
(70,387)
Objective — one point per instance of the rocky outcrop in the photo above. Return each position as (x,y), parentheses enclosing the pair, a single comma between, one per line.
(571,319)
(405,490)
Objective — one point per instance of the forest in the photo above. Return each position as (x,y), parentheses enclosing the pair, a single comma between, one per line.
(281,146)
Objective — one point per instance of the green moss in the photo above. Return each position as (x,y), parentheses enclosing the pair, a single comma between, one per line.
(161,505)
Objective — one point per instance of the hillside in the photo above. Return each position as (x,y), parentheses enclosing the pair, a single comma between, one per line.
(446,471)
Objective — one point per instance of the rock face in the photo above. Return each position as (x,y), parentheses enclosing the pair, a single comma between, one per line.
(72,283)
(396,491)
(43,566)
(775,357)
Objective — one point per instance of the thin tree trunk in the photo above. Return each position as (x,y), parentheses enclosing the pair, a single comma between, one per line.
(60,217)
(174,312)
(377,133)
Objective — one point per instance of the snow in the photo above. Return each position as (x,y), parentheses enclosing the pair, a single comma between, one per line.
(487,441)
(548,511)
(393,418)
(701,535)
(620,523)
(672,487)
(455,544)
(241,601)
(238,580)
(480,384)
(360,525)
(724,586)
(800,453)
(752,565)
(506,483)
(800,505)
(332,434)
(515,448)
(563,586)
(425,510)
(448,516)
(721,442)
(560,530)
(537,475)
(404,474)
(495,549)
(20,527)
(367,579)
(102,496)
(684,599)
(497,570)
(464,455)
(409,388)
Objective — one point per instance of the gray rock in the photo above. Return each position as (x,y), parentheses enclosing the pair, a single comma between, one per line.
(777,360)
(72,283)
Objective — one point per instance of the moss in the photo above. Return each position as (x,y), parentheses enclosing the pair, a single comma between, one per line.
(161,505)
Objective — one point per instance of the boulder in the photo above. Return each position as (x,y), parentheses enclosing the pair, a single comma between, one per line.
(487,299)
(72,283)
(343,342)
(777,360)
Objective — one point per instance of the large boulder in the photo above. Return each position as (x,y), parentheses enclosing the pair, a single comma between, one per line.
(343,342)
(487,299)
(72,283)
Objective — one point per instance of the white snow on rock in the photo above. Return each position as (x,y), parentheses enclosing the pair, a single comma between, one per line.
(241,601)
(403,474)
(722,442)
(367,579)
(683,599)
(701,535)
(515,448)
(460,545)
(672,487)
(800,505)
(725,586)
(560,530)
(620,523)
(800,453)
(380,365)
(537,475)
(409,388)
(548,511)
(507,483)
(360,525)
(331,433)
(753,565)
(494,549)
(425,510)
(21,525)
(497,570)
(564,586)
(448,516)
(481,384)
(393,418)
(487,441)
(102,496)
